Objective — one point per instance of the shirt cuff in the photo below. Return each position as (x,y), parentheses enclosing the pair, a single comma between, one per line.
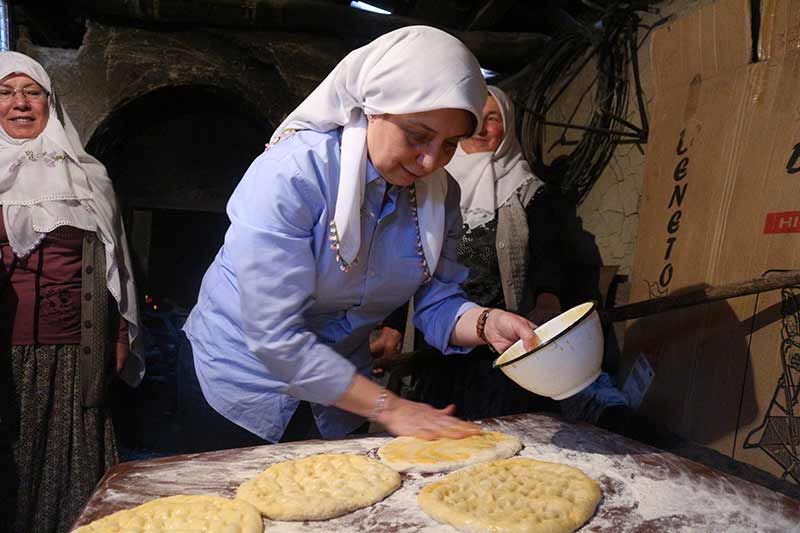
(452,348)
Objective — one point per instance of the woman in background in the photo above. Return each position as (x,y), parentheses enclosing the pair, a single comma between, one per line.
(68,315)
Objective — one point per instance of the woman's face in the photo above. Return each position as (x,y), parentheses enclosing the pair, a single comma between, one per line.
(24,113)
(491,134)
(404,148)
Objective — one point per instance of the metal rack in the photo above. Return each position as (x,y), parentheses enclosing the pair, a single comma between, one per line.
(778,435)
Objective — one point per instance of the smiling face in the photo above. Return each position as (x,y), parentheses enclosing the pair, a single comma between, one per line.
(21,116)
(491,134)
(404,148)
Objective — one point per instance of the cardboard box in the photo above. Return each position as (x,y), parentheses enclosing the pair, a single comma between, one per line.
(721,204)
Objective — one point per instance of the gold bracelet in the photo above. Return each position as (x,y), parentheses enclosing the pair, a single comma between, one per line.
(380,406)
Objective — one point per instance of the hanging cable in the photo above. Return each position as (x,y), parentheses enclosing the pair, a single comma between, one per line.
(611,45)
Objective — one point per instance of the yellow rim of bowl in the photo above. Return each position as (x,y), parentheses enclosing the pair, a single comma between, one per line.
(551,339)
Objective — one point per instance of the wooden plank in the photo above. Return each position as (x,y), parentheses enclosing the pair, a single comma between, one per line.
(703,295)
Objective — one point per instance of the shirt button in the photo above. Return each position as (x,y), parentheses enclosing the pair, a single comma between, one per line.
(89,269)
(87,350)
(87,324)
(502,245)
(87,296)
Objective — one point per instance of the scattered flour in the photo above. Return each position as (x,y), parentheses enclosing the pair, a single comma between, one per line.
(643,489)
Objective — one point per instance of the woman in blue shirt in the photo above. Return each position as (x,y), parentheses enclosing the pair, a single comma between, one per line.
(347,215)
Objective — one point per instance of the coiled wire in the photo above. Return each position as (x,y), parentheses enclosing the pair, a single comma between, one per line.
(612,47)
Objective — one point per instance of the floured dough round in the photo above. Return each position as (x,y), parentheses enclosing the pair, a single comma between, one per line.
(319,487)
(513,495)
(213,514)
(410,454)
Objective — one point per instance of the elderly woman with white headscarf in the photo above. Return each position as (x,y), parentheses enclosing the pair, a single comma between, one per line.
(347,215)
(497,192)
(68,316)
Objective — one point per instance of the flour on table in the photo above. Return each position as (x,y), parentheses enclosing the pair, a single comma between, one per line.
(639,492)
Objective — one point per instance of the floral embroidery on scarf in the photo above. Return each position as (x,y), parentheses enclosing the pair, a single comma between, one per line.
(48,158)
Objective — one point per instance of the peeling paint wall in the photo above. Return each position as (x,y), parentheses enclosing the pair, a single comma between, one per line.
(611,210)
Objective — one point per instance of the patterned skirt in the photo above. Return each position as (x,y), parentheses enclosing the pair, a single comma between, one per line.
(57,449)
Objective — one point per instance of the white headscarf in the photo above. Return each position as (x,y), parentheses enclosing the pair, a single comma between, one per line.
(50,181)
(488,180)
(410,70)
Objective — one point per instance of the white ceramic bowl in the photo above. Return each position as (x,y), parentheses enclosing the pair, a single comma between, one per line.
(567,358)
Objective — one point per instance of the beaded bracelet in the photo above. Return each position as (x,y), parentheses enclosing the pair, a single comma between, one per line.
(380,406)
(480,327)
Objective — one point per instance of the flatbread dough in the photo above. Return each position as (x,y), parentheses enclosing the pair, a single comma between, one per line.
(409,454)
(513,495)
(213,514)
(319,487)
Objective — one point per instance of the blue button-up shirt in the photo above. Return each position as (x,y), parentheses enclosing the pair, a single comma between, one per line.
(277,321)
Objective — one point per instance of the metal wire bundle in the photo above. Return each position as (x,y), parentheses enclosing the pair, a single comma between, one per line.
(614,48)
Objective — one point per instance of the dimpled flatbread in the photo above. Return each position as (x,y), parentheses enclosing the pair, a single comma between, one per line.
(409,454)
(513,495)
(319,487)
(212,514)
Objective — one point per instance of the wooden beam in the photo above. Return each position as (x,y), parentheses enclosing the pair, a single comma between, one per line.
(703,295)
(504,52)
(490,14)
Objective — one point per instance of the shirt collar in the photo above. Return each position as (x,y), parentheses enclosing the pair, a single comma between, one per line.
(372,172)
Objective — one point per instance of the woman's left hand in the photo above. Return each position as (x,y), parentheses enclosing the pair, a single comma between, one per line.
(504,329)
(122,351)
(384,345)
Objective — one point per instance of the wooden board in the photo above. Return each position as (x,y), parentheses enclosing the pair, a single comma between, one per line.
(644,489)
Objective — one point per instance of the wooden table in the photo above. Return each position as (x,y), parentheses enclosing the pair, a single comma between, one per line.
(644,489)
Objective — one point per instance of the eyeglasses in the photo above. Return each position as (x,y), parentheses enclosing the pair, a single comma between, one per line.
(31,94)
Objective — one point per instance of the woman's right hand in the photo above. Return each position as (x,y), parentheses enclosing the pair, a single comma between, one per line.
(400,416)
(404,417)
